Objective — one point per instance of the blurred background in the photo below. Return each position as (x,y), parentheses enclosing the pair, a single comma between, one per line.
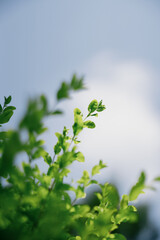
(116,46)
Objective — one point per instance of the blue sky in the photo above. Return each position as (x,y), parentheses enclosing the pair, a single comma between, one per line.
(115,44)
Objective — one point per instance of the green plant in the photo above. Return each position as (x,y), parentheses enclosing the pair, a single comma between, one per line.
(35,205)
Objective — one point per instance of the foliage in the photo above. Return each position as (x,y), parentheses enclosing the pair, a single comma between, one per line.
(38,206)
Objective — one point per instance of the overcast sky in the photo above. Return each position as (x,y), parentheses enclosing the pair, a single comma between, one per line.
(115,44)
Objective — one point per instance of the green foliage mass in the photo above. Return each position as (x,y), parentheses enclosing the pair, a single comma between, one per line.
(38,206)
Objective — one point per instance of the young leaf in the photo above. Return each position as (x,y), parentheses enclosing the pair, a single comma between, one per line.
(63,92)
(97,168)
(56,112)
(79,157)
(9,108)
(89,124)
(78,122)
(94,115)
(5,116)
(110,195)
(7,100)
(1,108)
(48,159)
(116,236)
(157,179)
(93,106)
(138,188)
(77,83)
(101,107)
(57,148)
(80,192)
(124,202)
(84,179)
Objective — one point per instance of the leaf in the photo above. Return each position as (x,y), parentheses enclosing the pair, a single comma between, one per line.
(97,168)
(40,152)
(93,182)
(116,236)
(48,159)
(84,179)
(157,179)
(63,92)
(4,135)
(101,107)
(53,170)
(77,83)
(44,103)
(56,112)
(80,192)
(128,214)
(94,115)
(138,187)
(124,202)
(57,148)
(77,111)
(89,124)
(110,195)
(78,122)
(7,100)
(99,196)
(75,238)
(9,108)
(93,106)
(5,116)
(1,108)
(79,157)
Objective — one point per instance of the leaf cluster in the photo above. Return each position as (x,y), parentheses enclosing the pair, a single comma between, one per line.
(36,205)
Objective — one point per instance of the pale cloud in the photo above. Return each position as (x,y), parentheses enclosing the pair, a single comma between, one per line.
(127,135)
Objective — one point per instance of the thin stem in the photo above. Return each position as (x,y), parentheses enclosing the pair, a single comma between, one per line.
(74,201)
(52,186)
(54,158)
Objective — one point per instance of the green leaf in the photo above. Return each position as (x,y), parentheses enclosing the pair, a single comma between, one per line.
(9,108)
(3,135)
(63,92)
(7,100)
(77,83)
(78,122)
(93,106)
(40,152)
(101,107)
(77,111)
(84,179)
(1,108)
(116,236)
(89,124)
(93,182)
(127,214)
(79,157)
(48,159)
(94,115)
(157,179)
(57,148)
(96,169)
(124,202)
(110,195)
(80,192)
(44,103)
(53,170)
(5,116)
(138,188)
(75,238)
(56,112)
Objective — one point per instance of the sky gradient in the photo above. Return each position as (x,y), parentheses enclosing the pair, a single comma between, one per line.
(115,45)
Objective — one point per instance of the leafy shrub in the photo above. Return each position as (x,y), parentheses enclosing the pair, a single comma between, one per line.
(38,206)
